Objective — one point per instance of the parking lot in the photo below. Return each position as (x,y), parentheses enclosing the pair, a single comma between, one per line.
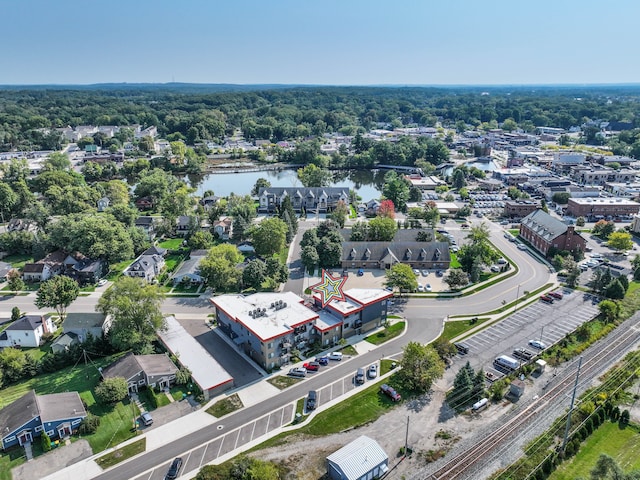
(548,323)
(228,442)
(259,427)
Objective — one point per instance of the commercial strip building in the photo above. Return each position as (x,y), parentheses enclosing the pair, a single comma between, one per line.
(208,374)
(597,208)
(267,327)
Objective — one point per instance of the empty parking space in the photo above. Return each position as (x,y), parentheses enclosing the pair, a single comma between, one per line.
(193,462)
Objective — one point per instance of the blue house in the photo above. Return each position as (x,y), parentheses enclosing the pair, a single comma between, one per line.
(57,414)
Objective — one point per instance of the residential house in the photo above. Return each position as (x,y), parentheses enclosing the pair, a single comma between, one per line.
(64,342)
(155,370)
(27,331)
(222,228)
(148,225)
(189,271)
(361,459)
(151,131)
(21,225)
(103,204)
(544,232)
(210,201)
(144,203)
(84,270)
(185,224)
(146,267)
(42,270)
(310,199)
(57,414)
(5,268)
(85,324)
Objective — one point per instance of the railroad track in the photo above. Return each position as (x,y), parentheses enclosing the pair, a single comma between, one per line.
(617,343)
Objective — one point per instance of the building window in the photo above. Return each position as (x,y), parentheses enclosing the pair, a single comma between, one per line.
(346,325)
(140,382)
(270,345)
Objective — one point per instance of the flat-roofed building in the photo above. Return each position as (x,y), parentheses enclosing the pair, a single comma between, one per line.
(597,208)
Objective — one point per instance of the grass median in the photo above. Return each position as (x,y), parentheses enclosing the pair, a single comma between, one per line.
(121,454)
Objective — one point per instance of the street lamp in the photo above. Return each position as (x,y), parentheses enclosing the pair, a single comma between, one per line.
(517,297)
(541,332)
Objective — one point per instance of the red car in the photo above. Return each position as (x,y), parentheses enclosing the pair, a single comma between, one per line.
(556,295)
(312,366)
(390,392)
(546,299)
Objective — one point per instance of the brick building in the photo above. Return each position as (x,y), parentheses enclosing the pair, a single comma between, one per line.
(543,232)
(598,208)
(520,208)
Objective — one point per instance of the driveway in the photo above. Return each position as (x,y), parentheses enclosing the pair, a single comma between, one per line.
(53,461)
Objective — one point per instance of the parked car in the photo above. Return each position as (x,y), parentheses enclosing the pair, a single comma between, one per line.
(424,272)
(146,418)
(416,271)
(523,353)
(464,225)
(390,392)
(546,299)
(495,268)
(522,246)
(537,344)
(102,282)
(312,398)
(360,272)
(427,287)
(463,348)
(556,295)
(372,371)
(360,376)
(312,366)
(337,356)
(298,372)
(174,469)
(439,273)
(323,360)
(501,261)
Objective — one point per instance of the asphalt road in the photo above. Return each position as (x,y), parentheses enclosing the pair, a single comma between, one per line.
(424,315)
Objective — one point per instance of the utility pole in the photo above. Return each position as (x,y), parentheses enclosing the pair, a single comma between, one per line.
(517,297)
(406,438)
(573,399)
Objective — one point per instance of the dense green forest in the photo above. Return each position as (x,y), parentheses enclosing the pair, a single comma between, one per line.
(194,114)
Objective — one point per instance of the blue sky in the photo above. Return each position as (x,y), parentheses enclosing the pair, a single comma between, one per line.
(333,42)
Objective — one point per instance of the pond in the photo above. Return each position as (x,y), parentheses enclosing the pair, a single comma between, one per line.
(367,183)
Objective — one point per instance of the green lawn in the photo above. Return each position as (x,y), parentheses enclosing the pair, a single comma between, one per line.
(392,331)
(18,261)
(621,444)
(457,327)
(360,409)
(116,421)
(121,454)
(172,261)
(171,243)
(117,268)
(28,287)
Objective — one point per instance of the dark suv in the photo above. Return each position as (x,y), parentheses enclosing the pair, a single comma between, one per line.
(174,469)
(312,399)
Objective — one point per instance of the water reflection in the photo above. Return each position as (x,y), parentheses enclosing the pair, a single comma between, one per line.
(367,183)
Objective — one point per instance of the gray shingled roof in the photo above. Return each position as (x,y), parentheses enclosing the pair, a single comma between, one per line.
(60,406)
(18,412)
(544,225)
(83,320)
(130,365)
(397,251)
(26,322)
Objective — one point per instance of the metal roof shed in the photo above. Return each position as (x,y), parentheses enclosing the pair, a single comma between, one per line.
(359,460)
